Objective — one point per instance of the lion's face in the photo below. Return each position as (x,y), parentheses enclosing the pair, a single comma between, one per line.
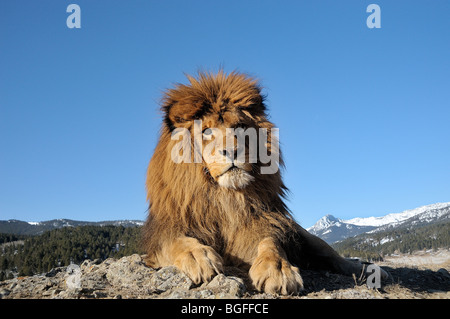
(222,115)
(220,150)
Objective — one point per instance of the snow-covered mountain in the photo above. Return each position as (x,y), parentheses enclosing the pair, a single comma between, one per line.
(332,229)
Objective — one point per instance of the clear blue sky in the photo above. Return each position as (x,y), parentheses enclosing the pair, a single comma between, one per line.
(364,114)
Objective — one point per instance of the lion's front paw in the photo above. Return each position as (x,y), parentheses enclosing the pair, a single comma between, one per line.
(273,274)
(200,263)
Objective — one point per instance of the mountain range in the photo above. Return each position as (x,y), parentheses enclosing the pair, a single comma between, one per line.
(332,229)
(329,228)
(19,227)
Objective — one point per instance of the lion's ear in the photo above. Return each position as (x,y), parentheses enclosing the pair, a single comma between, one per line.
(178,113)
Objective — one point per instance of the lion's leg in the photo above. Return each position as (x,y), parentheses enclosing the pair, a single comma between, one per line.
(321,255)
(318,254)
(272,272)
(199,262)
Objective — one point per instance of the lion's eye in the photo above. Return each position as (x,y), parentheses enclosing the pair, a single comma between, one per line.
(207,132)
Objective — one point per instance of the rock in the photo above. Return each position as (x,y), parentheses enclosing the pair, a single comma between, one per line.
(128,272)
(54,271)
(227,287)
(4,292)
(443,272)
(129,277)
(169,278)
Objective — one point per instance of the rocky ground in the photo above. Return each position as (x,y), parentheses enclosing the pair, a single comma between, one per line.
(128,277)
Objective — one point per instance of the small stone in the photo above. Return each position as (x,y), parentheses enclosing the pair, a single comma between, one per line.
(54,271)
(168,278)
(229,286)
(443,272)
(128,271)
(99,294)
(4,292)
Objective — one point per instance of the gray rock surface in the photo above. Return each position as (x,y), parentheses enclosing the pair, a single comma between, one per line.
(129,277)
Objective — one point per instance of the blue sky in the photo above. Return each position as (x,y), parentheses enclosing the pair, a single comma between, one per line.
(363,113)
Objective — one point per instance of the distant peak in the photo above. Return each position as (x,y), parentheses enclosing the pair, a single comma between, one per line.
(330,217)
(325,222)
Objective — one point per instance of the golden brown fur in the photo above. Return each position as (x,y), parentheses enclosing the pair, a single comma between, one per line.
(198,225)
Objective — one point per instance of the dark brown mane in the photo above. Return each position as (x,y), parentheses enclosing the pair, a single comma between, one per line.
(210,93)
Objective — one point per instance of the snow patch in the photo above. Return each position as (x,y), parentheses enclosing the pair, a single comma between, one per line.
(398,217)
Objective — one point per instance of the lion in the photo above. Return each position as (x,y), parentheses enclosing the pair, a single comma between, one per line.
(206,214)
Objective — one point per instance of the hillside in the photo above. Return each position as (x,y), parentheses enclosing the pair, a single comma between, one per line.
(406,239)
(18,227)
(63,246)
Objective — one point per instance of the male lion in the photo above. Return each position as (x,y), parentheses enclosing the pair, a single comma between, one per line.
(206,214)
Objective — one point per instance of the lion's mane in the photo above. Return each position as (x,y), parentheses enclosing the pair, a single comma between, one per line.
(183,198)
